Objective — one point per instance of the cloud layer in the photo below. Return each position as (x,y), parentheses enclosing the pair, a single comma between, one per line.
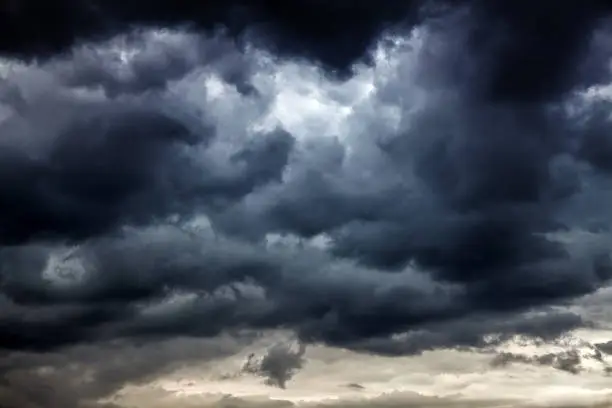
(437,178)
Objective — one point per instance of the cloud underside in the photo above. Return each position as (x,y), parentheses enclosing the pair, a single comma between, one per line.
(441,181)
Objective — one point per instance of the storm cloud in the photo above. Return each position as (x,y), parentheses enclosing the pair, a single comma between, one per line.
(389,178)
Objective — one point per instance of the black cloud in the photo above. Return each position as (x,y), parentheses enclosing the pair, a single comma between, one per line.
(529,48)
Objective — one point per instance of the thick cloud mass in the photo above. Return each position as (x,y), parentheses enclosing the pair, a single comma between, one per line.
(192,170)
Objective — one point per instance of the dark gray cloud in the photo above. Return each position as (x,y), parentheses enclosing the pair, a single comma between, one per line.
(342,32)
(75,167)
(566,361)
(278,365)
(138,200)
(456,204)
(605,347)
(80,376)
(168,281)
(524,49)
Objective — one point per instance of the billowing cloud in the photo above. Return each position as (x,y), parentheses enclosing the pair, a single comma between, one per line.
(389,179)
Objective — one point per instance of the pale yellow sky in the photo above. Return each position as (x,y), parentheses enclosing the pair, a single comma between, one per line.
(330,375)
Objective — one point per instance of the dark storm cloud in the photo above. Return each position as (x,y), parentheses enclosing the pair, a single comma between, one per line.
(474,219)
(87,168)
(529,48)
(288,28)
(477,331)
(444,229)
(78,377)
(165,281)
(73,167)
(535,50)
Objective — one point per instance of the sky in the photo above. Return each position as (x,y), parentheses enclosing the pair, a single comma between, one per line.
(381,203)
